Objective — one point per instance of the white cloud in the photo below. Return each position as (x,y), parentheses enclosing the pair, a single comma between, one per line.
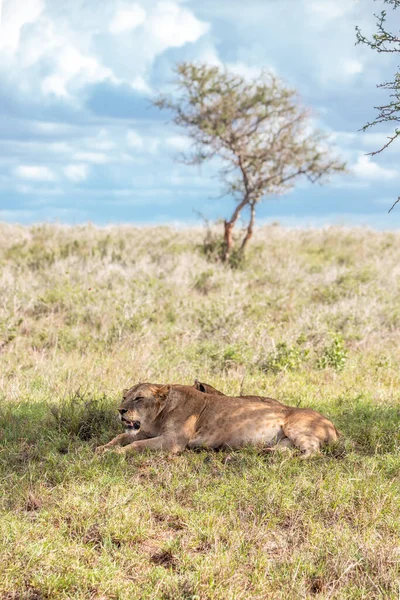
(368,170)
(152,145)
(34,173)
(127,18)
(178,142)
(146,145)
(334,58)
(247,71)
(139,84)
(373,141)
(40,40)
(368,140)
(209,55)
(171,25)
(134,139)
(333,71)
(90,43)
(76,173)
(51,37)
(13,18)
(328,10)
(60,148)
(352,67)
(23,188)
(54,84)
(71,64)
(168,24)
(47,127)
(344,137)
(105,144)
(98,158)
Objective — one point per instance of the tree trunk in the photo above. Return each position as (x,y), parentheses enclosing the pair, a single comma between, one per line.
(228,239)
(228,229)
(249,232)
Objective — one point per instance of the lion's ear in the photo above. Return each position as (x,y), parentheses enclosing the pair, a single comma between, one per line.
(200,386)
(162,392)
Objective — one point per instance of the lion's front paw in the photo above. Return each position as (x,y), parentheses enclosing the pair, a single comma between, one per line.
(101,449)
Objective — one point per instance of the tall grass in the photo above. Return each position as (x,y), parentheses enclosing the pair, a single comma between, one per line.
(310,317)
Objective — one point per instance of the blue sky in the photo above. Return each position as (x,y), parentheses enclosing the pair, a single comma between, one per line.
(81,142)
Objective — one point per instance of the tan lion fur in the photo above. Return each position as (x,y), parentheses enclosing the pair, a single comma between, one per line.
(176,417)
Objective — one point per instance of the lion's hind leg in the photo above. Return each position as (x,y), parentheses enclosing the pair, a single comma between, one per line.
(283,445)
(305,434)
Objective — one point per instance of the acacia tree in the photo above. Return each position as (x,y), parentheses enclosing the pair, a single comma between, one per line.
(387,42)
(257,128)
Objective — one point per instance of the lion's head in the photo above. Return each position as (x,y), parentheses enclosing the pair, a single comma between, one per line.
(141,405)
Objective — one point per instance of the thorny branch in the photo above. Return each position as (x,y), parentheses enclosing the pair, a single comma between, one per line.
(384,41)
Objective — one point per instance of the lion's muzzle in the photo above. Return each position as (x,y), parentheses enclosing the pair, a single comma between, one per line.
(134,425)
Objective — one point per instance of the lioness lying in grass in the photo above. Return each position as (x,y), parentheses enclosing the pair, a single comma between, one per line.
(172,418)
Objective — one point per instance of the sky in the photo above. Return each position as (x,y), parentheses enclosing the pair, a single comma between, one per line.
(81,141)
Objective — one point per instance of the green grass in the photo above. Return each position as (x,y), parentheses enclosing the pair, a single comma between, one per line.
(311,317)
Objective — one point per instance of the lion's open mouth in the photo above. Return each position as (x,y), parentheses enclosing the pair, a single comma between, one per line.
(135,425)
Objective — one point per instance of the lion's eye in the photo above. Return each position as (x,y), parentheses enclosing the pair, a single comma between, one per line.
(139,398)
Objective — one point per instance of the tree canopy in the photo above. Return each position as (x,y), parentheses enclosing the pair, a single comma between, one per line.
(258,128)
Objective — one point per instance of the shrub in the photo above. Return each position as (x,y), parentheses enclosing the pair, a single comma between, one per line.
(285,357)
(82,417)
(334,355)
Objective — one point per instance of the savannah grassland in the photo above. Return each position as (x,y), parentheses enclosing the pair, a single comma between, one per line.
(311,317)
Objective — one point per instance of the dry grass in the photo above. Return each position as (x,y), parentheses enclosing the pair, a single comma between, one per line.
(311,317)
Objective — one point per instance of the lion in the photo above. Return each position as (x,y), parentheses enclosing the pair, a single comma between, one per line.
(175,417)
